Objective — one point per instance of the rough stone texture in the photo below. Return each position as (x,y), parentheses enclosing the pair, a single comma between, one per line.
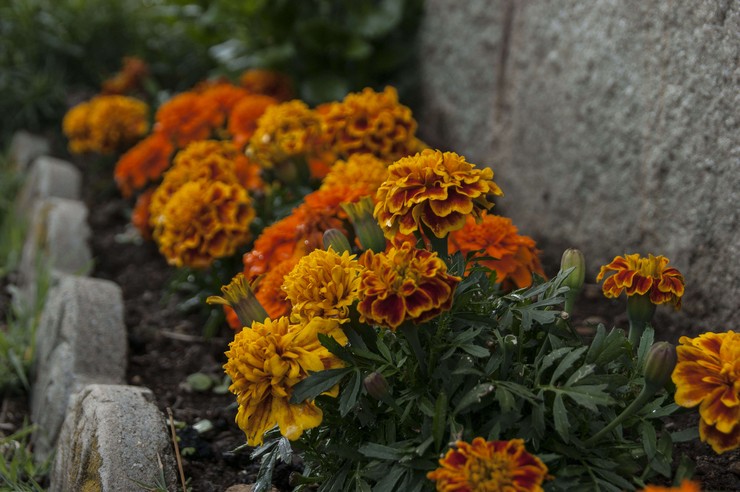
(611,126)
(25,147)
(81,339)
(113,439)
(58,235)
(48,177)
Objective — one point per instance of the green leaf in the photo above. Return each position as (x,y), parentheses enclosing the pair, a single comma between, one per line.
(505,399)
(439,420)
(550,358)
(589,396)
(351,392)
(567,363)
(335,348)
(474,396)
(199,381)
(317,383)
(389,480)
(685,435)
(582,372)
(649,439)
(560,417)
(381,451)
(264,477)
(476,350)
(646,341)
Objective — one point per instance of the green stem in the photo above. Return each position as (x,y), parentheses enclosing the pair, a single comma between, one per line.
(640,310)
(647,392)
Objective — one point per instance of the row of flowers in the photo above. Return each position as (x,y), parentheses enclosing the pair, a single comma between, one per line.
(384,316)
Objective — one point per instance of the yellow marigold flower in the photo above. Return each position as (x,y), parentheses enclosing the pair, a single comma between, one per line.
(489,466)
(212,160)
(202,221)
(323,284)
(515,257)
(404,284)
(187,117)
(283,131)
(106,124)
(265,362)
(363,170)
(686,486)
(708,373)
(636,275)
(434,189)
(369,122)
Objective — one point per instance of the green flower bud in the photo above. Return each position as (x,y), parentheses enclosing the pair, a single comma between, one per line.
(376,386)
(659,364)
(573,258)
(335,239)
(366,227)
(238,295)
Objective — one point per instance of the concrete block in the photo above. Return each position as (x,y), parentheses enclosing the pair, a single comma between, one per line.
(113,439)
(48,177)
(81,339)
(25,147)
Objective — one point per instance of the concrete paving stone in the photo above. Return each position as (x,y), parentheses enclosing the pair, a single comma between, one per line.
(47,177)
(25,147)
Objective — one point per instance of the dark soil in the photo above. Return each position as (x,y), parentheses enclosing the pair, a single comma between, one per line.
(166,345)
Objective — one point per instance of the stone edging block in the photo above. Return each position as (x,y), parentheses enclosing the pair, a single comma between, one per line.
(48,177)
(25,147)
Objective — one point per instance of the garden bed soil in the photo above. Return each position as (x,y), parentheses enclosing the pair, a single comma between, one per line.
(166,345)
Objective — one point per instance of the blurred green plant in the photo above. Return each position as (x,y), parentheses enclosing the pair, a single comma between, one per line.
(18,470)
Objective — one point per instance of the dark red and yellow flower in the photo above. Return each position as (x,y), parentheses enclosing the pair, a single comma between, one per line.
(433,190)
(501,466)
(268,83)
(243,121)
(211,160)
(202,221)
(143,163)
(708,375)
(369,122)
(686,486)
(649,276)
(403,284)
(129,80)
(284,131)
(515,257)
(265,362)
(188,117)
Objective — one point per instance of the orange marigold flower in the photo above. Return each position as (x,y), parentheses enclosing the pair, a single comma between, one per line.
(489,465)
(708,374)
(106,124)
(360,170)
(143,163)
(225,96)
(140,214)
(268,83)
(636,275)
(434,189)
(202,221)
(515,257)
(265,362)
(404,284)
(268,288)
(284,131)
(686,486)
(369,122)
(129,79)
(243,121)
(187,117)
(212,160)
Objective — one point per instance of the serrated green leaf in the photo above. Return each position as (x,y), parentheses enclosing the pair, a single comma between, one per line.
(505,399)
(649,439)
(476,350)
(685,435)
(597,344)
(560,417)
(263,482)
(317,383)
(473,396)
(335,348)
(389,480)
(567,363)
(581,372)
(589,396)
(439,420)
(550,358)
(381,451)
(351,392)
(646,341)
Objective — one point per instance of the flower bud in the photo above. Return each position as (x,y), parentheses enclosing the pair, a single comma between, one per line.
(573,258)
(335,239)
(659,364)
(376,385)
(238,294)
(366,226)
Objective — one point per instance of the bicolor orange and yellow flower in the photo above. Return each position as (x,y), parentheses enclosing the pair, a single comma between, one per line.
(502,466)
(649,276)
(433,190)
(403,284)
(265,362)
(686,486)
(708,375)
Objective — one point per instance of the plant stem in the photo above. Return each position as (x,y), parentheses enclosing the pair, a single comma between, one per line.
(647,391)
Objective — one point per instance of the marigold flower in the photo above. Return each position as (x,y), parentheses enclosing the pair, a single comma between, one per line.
(140,214)
(105,124)
(266,362)
(708,374)
(515,257)
(243,121)
(225,96)
(323,284)
(143,163)
(686,486)
(212,160)
(187,117)
(404,284)
(434,189)
(267,82)
(239,297)
(636,275)
(361,170)
(203,220)
(284,131)
(489,465)
(369,122)
(129,79)
(269,288)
